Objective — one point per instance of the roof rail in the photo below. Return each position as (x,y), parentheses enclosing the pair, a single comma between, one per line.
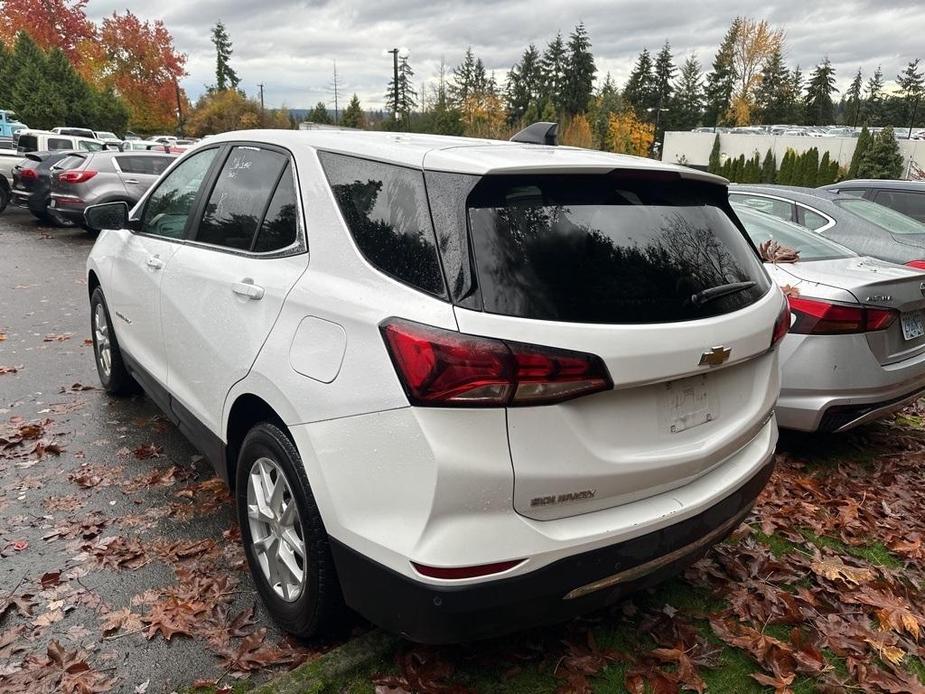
(541,133)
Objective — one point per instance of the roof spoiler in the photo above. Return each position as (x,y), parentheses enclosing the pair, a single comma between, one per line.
(541,133)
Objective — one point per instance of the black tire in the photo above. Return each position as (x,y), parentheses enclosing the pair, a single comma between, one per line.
(319,608)
(4,196)
(116,380)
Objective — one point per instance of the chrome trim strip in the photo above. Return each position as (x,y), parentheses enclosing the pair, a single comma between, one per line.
(880,411)
(653,565)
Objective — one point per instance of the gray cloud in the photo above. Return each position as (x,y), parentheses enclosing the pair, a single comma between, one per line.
(290,46)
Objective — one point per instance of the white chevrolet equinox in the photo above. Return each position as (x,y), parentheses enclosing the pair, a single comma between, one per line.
(460,386)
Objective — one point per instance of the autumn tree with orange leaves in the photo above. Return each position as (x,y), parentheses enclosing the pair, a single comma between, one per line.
(51,24)
(753,44)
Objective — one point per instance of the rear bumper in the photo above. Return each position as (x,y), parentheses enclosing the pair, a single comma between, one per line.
(430,613)
(834,383)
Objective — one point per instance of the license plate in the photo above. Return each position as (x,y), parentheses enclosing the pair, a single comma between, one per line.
(913,325)
(686,404)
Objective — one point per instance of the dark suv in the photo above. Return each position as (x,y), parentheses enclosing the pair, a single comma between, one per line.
(32,183)
(91,178)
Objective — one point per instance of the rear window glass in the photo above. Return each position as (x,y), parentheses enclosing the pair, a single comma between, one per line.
(891,220)
(72,161)
(27,143)
(763,227)
(608,249)
(59,143)
(385,208)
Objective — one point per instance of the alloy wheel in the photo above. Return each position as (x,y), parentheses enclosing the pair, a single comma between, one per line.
(276,529)
(101,335)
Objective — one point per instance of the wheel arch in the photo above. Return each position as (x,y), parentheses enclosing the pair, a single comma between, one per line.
(247,409)
(93,281)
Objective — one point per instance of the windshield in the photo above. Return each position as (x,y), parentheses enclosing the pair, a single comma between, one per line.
(607,249)
(891,220)
(103,135)
(763,227)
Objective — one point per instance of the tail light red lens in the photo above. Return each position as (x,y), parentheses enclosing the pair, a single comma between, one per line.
(28,175)
(818,317)
(781,325)
(917,264)
(76,176)
(445,368)
(458,572)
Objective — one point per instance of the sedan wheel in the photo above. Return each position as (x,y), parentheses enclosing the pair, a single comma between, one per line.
(101,342)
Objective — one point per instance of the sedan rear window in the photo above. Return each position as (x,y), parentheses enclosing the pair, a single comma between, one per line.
(608,249)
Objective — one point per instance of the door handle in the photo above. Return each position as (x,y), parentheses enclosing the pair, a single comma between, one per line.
(131,180)
(154,262)
(247,288)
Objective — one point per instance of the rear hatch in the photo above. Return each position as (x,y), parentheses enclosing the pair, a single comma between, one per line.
(878,283)
(614,265)
(25,174)
(66,191)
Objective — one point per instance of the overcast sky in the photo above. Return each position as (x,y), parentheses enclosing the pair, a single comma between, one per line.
(289,46)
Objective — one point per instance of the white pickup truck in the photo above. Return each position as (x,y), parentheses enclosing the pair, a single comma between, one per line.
(8,159)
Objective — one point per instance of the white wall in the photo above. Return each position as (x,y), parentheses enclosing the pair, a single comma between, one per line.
(695,147)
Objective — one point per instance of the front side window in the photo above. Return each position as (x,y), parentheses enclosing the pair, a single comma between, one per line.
(385,209)
(58,143)
(169,206)
(240,197)
(608,249)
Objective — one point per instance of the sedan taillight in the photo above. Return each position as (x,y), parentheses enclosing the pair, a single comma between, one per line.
(28,175)
(818,317)
(442,368)
(917,264)
(76,176)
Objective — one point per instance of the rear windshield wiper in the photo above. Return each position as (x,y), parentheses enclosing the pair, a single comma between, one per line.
(708,295)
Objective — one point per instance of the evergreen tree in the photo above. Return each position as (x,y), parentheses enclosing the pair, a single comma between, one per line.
(738,169)
(225,77)
(605,104)
(810,168)
(686,108)
(523,84)
(726,169)
(882,159)
(640,89)
(463,79)
(407,96)
(799,169)
(32,95)
(553,66)
(353,116)
(911,86)
(664,74)
(79,104)
(784,175)
(825,170)
(873,108)
(714,164)
(774,93)
(834,171)
(853,98)
(721,81)
(795,114)
(578,83)
(6,74)
(754,169)
(320,115)
(769,168)
(820,109)
(859,150)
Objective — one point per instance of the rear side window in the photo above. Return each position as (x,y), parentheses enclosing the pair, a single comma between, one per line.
(884,217)
(279,227)
(778,208)
(608,249)
(911,204)
(240,197)
(59,143)
(385,208)
(151,166)
(811,220)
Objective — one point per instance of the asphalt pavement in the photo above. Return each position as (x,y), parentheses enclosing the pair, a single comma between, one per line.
(116,541)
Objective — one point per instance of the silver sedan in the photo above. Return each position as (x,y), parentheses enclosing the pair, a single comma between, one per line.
(856,346)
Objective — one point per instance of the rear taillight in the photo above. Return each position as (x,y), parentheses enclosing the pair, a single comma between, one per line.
(458,572)
(818,317)
(781,325)
(28,175)
(445,368)
(76,176)
(917,264)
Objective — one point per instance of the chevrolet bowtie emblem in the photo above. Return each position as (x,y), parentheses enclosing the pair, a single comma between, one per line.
(716,356)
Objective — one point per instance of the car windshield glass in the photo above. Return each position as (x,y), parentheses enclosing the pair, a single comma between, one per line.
(891,220)
(763,227)
(608,249)
(103,135)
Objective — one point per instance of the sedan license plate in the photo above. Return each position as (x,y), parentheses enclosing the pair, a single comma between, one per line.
(686,403)
(913,325)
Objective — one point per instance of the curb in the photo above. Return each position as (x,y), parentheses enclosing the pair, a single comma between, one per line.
(338,664)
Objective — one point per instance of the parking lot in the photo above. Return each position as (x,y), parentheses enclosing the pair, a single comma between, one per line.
(108,517)
(121,563)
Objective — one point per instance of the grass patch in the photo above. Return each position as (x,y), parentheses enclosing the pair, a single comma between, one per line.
(916,667)
(778,545)
(875,553)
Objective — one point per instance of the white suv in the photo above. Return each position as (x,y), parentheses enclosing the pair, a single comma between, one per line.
(462,386)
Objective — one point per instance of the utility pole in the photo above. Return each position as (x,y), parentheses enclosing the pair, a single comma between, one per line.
(261,104)
(335,92)
(394,53)
(915,108)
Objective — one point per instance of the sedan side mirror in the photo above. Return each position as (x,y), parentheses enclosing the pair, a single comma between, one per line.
(109,215)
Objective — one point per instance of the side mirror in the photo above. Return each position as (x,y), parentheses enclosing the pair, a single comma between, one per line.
(109,215)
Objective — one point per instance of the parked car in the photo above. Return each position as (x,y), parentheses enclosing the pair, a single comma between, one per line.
(7,144)
(32,184)
(78,132)
(9,124)
(526,316)
(907,197)
(8,159)
(145,146)
(47,141)
(91,178)
(863,226)
(856,349)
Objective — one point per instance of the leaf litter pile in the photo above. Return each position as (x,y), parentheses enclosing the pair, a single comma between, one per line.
(63,628)
(822,589)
